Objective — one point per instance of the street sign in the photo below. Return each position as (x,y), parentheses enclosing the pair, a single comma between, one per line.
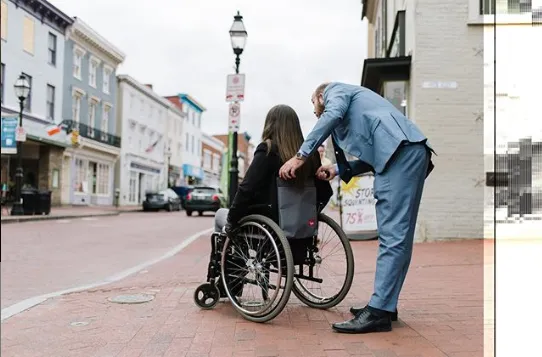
(20,134)
(9,126)
(234,117)
(235,89)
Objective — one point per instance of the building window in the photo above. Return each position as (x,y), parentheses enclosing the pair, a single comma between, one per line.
(76,107)
(77,62)
(207,160)
(179,148)
(489,7)
(52,49)
(216,162)
(103,179)
(187,142)
(2,79)
(92,72)
(106,80)
(91,117)
(50,102)
(80,176)
(193,144)
(28,100)
(28,35)
(4,20)
(105,122)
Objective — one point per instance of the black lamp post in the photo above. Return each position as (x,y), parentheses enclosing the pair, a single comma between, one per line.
(22,89)
(238,35)
(168,156)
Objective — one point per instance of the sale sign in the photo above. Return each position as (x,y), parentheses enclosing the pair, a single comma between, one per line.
(358,205)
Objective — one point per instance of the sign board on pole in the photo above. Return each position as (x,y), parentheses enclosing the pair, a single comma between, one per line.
(234,117)
(9,127)
(358,205)
(20,134)
(235,89)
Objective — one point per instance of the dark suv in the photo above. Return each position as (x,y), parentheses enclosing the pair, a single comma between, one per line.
(204,199)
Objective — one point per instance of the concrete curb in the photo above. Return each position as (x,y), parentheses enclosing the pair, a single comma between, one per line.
(53,218)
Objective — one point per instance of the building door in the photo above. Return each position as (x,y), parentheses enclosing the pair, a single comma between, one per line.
(66,181)
(141,190)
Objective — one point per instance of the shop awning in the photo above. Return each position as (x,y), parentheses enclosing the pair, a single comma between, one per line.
(376,71)
(193,171)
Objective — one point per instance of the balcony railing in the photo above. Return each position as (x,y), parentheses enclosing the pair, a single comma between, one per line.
(93,133)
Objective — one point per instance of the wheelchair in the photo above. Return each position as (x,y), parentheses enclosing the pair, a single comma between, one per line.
(257,268)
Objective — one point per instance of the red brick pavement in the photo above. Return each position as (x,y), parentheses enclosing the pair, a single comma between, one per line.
(441,313)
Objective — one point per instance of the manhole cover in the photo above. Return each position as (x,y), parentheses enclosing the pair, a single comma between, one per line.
(79,323)
(132,299)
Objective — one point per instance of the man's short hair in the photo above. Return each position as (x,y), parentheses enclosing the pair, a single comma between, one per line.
(321,88)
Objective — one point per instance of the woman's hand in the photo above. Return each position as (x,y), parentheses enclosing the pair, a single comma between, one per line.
(326,173)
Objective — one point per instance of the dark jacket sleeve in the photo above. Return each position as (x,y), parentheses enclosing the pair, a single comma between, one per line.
(257,178)
(323,193)
(360,167)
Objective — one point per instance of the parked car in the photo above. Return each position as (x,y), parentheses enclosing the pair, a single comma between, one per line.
(182,192)
(166,199)
(204,199)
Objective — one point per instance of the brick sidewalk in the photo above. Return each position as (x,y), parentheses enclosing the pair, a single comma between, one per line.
(441,313)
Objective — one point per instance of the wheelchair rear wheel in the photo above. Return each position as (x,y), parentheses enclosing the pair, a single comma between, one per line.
(257,269)
(326,278)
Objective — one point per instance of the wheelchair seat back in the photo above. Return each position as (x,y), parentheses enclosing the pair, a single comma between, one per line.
(297,208)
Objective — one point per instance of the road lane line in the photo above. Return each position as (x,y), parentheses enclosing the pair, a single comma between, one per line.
(36,300)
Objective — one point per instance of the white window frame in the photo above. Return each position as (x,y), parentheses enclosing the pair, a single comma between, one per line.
(92,104)
(78,54)
(77,97)
(102,178)
(81,176)
(216,162)
(207,159)
(93,65)
(475,18)
(106,116)
(106,79)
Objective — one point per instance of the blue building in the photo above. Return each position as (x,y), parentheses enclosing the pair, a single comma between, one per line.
(89,109)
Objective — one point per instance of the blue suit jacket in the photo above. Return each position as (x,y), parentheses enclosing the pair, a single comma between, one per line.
(364,124)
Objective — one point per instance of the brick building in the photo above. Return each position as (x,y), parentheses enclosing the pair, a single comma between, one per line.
(245,150)
(427,58)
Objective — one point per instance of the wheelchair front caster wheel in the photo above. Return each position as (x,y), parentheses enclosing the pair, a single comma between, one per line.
(206,296)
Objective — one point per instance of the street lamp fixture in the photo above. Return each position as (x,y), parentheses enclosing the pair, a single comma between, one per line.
(22,90)
(238,35)
(168,156)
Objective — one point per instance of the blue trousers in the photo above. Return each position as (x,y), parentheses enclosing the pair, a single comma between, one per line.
(398,190)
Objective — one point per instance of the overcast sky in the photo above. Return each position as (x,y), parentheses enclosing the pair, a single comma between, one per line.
(184,46)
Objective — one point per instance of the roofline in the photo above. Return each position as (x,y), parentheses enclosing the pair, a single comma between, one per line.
(65,19)
(146,90)
(192,101)
(211,138)
(87,32)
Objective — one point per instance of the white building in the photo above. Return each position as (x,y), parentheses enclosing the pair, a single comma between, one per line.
(175,121)
(192,172)
(428,60)
(213,149)
(142,117)
(32,45)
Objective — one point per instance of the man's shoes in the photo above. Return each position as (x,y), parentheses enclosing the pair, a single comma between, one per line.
(356,310)
(365,322)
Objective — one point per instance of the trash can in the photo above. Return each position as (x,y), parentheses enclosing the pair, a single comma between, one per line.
(43,202)
(29,197)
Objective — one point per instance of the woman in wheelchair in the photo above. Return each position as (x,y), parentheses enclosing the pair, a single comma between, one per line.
(272,227)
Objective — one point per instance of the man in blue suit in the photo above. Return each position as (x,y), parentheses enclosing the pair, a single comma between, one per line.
(384,141)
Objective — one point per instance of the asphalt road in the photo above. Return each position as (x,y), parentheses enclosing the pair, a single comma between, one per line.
(45,257)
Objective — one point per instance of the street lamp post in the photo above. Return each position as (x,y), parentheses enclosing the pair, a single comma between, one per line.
(22,89)
(238,35)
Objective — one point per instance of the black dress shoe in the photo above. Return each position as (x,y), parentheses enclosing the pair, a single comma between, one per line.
(365,322)
(356,310)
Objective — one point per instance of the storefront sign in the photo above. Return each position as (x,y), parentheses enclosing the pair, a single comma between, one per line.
(192,171)
(137,166)
(9,128)
(358,205)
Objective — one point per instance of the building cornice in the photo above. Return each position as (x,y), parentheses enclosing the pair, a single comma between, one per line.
(80,30)
(143,89)
(212,141)
(191,100)
(46,13)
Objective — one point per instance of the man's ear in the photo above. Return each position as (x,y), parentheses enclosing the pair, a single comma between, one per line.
(321,98)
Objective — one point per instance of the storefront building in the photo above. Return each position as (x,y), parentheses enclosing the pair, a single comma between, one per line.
(89,109)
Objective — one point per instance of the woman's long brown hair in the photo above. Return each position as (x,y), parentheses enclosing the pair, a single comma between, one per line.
(283,129)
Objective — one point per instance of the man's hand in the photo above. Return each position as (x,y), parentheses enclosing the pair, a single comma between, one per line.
(326,173)
(287,171)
